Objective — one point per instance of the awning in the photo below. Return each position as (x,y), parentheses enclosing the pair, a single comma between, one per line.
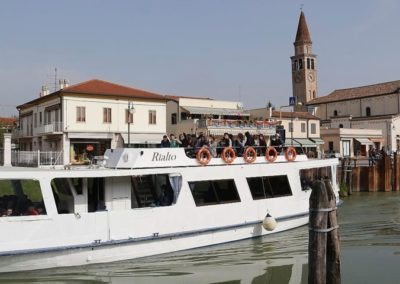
(318,141)
(215,111)
(143,138)
(380,140)
(288,142)
(306,142)
(364,141)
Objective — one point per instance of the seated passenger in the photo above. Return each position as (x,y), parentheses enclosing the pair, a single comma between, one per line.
(31,211)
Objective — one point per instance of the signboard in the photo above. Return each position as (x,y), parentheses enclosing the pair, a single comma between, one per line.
(292,101)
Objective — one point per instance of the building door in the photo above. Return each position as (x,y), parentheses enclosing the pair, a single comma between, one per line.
(346,148)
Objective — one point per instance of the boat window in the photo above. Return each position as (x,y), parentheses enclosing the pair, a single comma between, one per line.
(308,176)
(155,190)
(269,187)
(63,196)
(21,198)
(211,192)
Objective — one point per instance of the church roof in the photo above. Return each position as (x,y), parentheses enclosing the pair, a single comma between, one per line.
(303,35)
(359,92)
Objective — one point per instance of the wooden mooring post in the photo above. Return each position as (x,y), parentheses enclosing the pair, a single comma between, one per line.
(324,242)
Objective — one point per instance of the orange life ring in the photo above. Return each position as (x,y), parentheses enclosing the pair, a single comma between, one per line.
(290,154)
(228,155)
(271,154)
(203,156)
(249,155)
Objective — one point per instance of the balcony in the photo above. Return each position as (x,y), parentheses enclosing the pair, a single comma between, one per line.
(51,128)
(22,133)
(220,126)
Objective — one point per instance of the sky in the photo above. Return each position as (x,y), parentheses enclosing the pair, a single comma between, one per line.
(236,50)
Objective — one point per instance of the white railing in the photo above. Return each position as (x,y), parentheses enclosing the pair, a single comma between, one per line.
(36,158)
(51,128)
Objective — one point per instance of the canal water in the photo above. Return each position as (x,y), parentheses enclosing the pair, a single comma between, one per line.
(370,246)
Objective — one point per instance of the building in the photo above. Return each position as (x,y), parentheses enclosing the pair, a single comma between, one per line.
(301,129)
(85,119)
(7,124)
(345,110)
(211,117)
(374,107)
(304,66)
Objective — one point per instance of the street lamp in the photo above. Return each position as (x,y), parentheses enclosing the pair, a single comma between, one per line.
(131,110)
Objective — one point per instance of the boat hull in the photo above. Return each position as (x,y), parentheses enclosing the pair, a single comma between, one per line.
(132,249)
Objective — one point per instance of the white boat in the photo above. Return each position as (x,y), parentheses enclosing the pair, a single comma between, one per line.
(145,202)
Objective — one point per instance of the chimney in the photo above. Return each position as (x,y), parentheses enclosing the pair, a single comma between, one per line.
(44,92)
(63,83)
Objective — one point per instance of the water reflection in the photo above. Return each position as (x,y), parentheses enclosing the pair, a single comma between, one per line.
(370,242)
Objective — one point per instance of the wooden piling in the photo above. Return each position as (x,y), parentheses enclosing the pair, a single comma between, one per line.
(323,246)
(396,172)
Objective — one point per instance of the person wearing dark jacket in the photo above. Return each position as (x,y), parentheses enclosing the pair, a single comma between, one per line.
(165,142)
(249,139)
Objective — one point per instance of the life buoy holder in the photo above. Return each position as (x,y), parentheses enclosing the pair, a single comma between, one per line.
(290,154)
(228,155)
(203,156)
(271,154)
(249,155)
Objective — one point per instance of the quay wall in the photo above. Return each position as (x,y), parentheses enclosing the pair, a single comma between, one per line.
(359,176)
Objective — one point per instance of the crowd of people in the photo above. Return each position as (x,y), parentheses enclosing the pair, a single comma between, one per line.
(193,143)
(375,154)
(13,205)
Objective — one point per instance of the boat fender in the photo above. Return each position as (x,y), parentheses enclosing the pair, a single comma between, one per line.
(290,154)
(249,155)
(269,223)
(203,156)
(228,155)
(271,154)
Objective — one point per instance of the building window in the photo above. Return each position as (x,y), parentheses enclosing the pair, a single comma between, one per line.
(152,117)
(308,63)
(212,192)
(106,115)
(35,120)
(290,127)
(303,127)
(313,128)
(128,116)
(312,64)
(330,146)
(173,118)
(47,117)
(300,63)
(368,111)
(295,65)
(335,113)
(40,118)
(340,125)
(80,114)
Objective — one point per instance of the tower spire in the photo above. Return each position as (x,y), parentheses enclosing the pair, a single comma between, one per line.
(302,35)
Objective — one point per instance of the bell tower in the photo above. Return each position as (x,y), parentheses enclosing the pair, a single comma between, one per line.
(304,65)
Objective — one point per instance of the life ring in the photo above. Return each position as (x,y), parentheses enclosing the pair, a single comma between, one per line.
(228,155)
(271,154)
(249,155)
(203,156)
(290,154)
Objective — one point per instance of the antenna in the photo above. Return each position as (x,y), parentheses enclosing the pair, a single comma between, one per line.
(55,79)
